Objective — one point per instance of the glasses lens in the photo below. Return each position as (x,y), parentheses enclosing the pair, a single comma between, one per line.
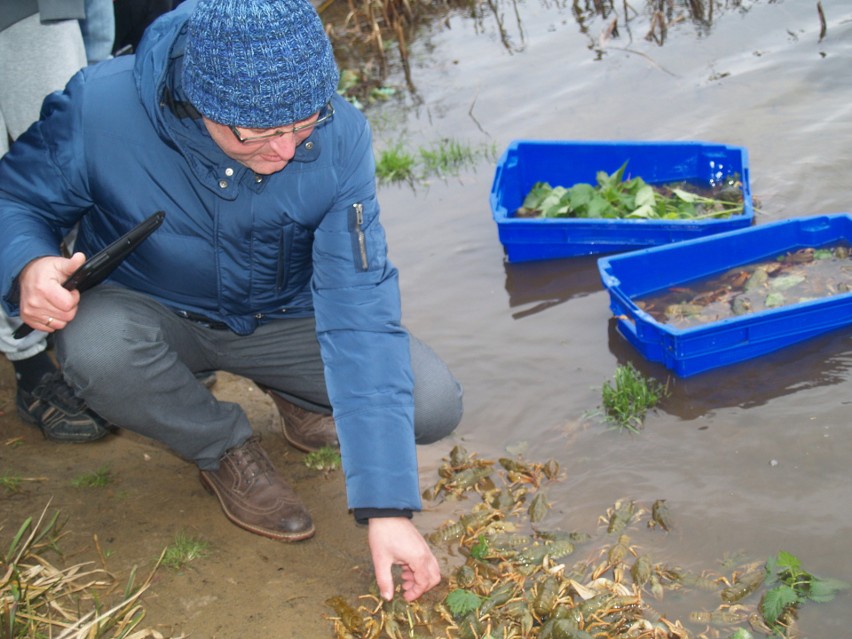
(325,114)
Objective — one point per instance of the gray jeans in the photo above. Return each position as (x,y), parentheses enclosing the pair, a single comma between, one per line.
(133,360)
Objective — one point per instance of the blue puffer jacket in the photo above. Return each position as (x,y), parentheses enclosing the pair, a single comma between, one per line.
(238,248)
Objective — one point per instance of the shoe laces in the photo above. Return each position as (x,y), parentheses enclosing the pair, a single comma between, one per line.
(52,389)
(250,459)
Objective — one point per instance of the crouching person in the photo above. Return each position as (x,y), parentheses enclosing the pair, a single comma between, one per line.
(271,263)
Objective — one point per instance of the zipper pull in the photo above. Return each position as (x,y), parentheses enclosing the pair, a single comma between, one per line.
(362,240)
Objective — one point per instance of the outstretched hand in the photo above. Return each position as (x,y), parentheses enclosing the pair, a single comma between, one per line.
(395,540)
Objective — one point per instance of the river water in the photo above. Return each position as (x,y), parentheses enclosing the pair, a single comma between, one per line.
(753,458)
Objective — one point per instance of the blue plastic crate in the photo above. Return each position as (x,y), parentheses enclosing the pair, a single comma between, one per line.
(565,163)
(697,349)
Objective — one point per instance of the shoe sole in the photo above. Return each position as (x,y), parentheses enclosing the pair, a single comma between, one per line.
(263,532)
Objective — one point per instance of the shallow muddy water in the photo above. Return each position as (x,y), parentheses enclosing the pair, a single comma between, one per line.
(752,458)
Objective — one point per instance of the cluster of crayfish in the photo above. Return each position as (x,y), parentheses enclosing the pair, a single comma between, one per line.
(516,581)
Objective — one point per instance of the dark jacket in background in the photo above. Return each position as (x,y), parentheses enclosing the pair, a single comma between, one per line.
(132,17)
(12,11)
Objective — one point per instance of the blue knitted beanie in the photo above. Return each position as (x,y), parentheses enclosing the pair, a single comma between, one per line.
(258,63)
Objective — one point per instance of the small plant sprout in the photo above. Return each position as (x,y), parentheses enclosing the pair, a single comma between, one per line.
(444,158)
(395,165)
(98,479)
(325,459)
(183,549)
(11,483)
(627,399)
(447,157)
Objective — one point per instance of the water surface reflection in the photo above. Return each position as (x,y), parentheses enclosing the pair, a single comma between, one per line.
(538,286)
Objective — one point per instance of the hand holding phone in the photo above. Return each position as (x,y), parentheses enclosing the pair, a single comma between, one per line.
(104,262)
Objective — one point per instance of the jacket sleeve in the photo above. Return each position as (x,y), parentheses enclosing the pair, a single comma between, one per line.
(42,187)
(365,349)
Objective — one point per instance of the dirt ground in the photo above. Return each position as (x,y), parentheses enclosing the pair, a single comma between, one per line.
(248,586)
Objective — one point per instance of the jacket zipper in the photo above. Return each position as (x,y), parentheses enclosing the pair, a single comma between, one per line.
(362,240)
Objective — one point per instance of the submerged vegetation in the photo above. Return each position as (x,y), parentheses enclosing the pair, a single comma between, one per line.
(514,578)
(805,274)
(443,159)
(627,399)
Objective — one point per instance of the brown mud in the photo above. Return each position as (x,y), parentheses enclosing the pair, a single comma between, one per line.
(248,586)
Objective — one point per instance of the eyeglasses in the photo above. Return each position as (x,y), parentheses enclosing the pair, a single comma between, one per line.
(325,114)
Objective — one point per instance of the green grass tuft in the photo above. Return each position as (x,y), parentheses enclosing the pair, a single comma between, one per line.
(627,399)
(395,165)
(184,549)
(98,479)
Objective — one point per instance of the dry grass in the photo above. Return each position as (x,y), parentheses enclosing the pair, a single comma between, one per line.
(39,599)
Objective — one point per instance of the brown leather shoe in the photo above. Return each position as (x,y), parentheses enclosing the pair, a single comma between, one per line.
(304,430)
(255,497)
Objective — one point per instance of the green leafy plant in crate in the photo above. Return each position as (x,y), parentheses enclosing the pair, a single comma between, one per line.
(633,198)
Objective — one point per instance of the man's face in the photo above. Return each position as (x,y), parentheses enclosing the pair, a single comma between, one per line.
(265,156)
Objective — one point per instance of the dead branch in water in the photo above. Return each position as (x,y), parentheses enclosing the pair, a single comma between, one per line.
(822,27)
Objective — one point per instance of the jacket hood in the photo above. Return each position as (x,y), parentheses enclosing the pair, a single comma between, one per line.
(158,62)
(157,73)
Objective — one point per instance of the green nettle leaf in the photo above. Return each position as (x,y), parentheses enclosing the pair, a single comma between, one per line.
(684,209)
(538,192)
(788,561)
(686,196)
(581,195)
(461,602)
(645,212)
(480,548)
(775,601)
(618,176)
(822,590)
(599,207)
(645,196)
(606,181)
(552,200)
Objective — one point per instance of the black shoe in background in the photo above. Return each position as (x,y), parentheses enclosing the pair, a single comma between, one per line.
(61,415)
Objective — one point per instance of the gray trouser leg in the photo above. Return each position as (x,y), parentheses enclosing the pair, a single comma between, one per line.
(133,361)
(437,394)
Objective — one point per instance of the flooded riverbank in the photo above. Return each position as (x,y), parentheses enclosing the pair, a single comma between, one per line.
(752,458)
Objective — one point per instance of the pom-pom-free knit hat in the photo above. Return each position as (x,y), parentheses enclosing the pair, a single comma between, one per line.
(258,63)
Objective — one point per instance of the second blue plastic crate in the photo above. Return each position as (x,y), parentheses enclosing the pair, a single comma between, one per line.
(697,349)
